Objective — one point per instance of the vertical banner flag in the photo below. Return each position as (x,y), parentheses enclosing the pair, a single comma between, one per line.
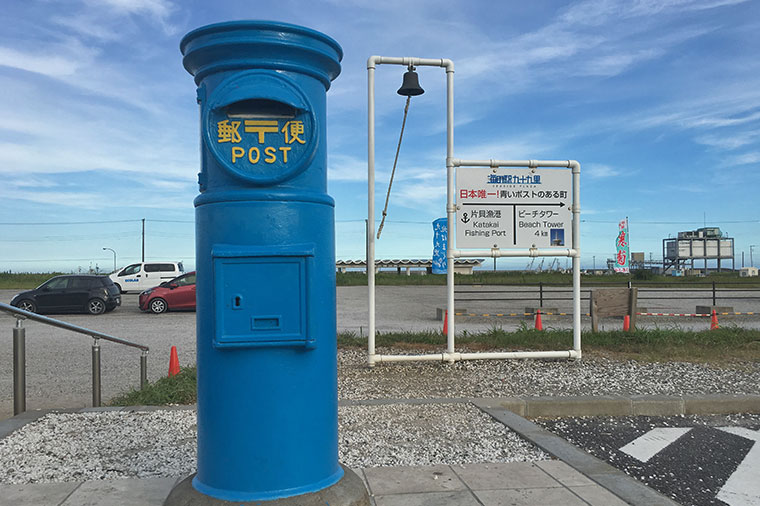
(440,240)
(623,248)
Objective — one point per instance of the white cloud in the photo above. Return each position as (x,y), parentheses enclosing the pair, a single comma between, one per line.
(342,167)
(745,159)
(729,140)
(615,64)
(600,171)
(61,60)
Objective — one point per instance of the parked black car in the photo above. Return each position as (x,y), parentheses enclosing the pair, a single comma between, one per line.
(71,293)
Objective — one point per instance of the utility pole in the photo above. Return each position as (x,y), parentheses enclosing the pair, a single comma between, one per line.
(751,247)
(594,260)
(143,239)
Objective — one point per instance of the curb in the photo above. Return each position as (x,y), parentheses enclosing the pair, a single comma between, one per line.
(614,480)
(633,405)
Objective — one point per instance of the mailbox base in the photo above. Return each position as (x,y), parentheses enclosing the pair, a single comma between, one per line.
(349,491)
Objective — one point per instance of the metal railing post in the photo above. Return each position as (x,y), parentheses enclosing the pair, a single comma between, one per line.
(143,369)
(96,373)
(713,291)
(540,294)
(19,367)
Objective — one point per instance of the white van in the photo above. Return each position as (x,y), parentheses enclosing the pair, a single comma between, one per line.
(144,275)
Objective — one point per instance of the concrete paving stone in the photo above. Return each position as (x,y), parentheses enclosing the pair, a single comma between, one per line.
(563,473)
(529,497)
(657,405)
(453,498)
(597,495)
(37,494)
(143,492)
(406,480)
(504,475)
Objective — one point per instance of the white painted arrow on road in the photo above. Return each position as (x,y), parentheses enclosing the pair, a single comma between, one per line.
(743,487)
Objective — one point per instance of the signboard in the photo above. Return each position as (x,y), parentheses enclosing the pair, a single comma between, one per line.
(623,248)
(513,208)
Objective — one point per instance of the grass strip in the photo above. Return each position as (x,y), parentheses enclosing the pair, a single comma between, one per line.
(179,389)
(24,280)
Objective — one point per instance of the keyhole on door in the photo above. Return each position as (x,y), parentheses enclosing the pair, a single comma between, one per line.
(237,301)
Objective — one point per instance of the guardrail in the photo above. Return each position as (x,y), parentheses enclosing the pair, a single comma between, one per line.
(712,292)
(19,354)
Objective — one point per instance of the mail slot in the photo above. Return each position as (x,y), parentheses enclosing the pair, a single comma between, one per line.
(265,258)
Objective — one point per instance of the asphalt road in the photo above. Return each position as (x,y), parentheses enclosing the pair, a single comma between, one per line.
(59,362)
(695,460)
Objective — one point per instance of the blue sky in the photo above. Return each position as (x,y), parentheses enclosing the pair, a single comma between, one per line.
(658,100)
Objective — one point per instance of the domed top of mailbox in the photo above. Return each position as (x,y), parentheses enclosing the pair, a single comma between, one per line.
(238,45)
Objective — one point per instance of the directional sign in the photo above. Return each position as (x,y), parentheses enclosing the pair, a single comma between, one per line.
(513,208)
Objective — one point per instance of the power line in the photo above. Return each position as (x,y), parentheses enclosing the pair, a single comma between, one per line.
(68,222)
(699,222)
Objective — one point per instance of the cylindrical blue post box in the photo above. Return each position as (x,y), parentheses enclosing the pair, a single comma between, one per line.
(265,254)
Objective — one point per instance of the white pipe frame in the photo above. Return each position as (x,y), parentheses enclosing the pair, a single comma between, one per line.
(451,355)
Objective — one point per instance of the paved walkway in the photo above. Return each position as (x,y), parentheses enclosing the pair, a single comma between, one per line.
(546,483)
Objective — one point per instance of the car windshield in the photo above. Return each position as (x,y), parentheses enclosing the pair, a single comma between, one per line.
(187,279)
(132,269)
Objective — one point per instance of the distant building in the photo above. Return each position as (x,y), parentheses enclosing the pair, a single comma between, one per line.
(706,243)
(461,266)
(748,272)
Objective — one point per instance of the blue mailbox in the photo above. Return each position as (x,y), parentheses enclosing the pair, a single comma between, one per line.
(265,254)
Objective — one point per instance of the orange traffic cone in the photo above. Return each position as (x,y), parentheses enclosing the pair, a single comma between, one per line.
(173,362)
(539,325)
(446,323)
(714,321)
(626,323)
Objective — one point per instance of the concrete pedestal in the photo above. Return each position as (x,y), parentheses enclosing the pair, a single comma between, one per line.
(349,491)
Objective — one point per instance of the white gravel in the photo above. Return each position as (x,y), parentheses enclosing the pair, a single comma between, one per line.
(100,446)
(427,434)
(152,444)
(504,378)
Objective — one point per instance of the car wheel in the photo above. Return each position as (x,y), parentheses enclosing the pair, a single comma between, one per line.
(96,306)
(119,287)
(27,305)
(158,305)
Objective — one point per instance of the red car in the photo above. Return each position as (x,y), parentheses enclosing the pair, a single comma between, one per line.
(179,293)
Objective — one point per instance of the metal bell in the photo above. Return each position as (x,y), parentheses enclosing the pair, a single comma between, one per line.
(410,87)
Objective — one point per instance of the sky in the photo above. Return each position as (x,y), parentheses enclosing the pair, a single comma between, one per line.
(658,100)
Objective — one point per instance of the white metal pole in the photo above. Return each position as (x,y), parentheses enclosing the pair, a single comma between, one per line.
(371,206)
(450,206)
(576,167)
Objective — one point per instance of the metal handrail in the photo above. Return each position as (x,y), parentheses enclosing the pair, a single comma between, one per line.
(19,354)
